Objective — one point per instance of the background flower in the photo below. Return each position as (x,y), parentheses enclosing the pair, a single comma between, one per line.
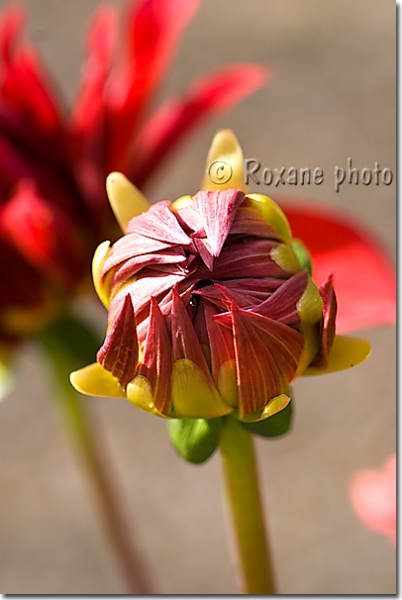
(334,98)
(373,496)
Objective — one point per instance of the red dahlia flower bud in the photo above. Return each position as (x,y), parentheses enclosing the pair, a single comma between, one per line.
(210,310)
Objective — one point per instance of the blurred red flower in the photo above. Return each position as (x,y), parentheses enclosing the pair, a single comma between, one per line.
(53,207)
(373,496)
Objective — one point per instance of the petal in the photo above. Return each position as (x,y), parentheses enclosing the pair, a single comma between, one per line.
(249,222)
(207,97)
(44,235)
(373,495)
(327,326)
(151,36)
(223,364)
(346,352)
(125,199)
(193,394)
(224,168)
(217,211)
(159,223)
(94,380)
(282,304)
(251,259)
(97,263)
(156,361)
(258,377)
(129,246)
(130,267)
(119,353)
(271,213)
(364,275)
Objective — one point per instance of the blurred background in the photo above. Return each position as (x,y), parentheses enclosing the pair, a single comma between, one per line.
(333,97)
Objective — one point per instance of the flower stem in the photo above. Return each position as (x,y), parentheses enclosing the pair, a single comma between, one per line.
(244,504)
(78,424)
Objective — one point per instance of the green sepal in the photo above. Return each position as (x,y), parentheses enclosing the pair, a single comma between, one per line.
(195,440)
(278,424)
(303,255)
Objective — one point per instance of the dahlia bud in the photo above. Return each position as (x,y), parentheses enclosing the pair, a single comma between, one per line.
(211,306)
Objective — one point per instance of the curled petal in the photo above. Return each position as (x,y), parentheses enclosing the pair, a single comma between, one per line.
(159,223)
(217,210)
(156,361)
(248,222)
(327,326)
(119,353)
(282,304)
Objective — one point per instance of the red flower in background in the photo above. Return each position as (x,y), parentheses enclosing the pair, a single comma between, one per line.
(53,207)
(373,496)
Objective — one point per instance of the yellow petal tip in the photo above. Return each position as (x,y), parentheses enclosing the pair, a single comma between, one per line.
(225,163)
(126,200)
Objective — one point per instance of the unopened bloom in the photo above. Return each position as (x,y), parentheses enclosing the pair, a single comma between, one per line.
(210,310)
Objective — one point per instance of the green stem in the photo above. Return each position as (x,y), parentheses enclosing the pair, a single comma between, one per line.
(244,503)
(78,425)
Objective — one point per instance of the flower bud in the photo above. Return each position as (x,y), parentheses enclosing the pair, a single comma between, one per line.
(211,311)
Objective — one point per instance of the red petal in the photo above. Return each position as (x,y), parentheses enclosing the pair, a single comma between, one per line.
(217,211)
(44,235)
(133,265)
(130,246)
(220,341)
(282,304)
(119,353)
(207,97)
(159,223)
(258,377)
(328,323)
(185,343)
(153,31)
(248,222)
(250,259)
(364,275)
(156,363)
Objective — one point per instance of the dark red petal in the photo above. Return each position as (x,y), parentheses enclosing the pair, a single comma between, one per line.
(185,343)
(244,260)
(285,344)
(208,96)
(149,284)
(119,353)
(130,246)
(258,377)
(260,288)
(219,293)
(217,211)
(282,304)
(220,341)
(205,251)
(159,223)
(328,323)
(133,265)
(248,222)
(365,277)
(156,362)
